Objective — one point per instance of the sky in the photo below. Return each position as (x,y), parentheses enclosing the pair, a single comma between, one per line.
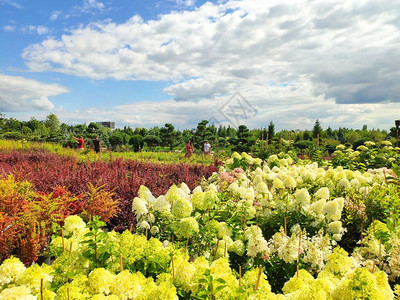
(144,63)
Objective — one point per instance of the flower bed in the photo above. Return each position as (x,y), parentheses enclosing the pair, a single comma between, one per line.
(254,230)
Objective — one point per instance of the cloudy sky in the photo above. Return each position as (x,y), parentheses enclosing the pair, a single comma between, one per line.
(145,63)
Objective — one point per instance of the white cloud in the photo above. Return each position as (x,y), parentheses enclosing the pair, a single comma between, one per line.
(184,2)
(40,29)
(92,4)
(12,3)
(18,94)
(54,15)
(9,28)
(307,56)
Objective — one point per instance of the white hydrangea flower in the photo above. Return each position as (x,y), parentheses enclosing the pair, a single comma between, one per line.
(213,187)
(161,204)
(10,270)
(185,188)
(256,242)
(335,227)
(197,189)
(73,225)
(309,176)
(250,194)
(290,182)
(262,188)
(355,183)
(144,225)
(318,206)
(145,194)
(333,209)
(257,179)
(322,193)
(344,183)
(289,251)
(233,187)
(277,183)
(139,206)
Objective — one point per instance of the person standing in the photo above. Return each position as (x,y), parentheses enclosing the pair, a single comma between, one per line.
(81,142)
(189,149)
(207,148)
(96,144)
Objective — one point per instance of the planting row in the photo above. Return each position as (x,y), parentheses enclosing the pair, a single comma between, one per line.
(93,264)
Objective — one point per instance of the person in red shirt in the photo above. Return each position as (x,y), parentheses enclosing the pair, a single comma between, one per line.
(80,142)
(189,149)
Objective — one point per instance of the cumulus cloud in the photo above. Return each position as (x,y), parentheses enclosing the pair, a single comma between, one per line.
(326,57)
(18,94)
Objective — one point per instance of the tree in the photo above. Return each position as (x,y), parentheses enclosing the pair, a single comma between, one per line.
(169,136)
(317,129)
(116,139)
(137,142)
(203,133)
(94,127)
(52,123)
(329,132)
(271,130)
(244,140)
(129,131)
(152,140)
(307,135)
(341,137)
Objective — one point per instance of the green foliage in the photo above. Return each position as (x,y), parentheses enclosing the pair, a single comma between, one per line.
(210,286)
(136,142)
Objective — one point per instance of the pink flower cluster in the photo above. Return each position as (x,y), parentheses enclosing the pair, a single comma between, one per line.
(227,177)
(230,177)
(237,171)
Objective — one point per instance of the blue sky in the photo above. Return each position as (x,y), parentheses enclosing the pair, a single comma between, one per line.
(145,63)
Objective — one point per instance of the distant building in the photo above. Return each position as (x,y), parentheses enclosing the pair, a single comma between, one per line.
(110,125)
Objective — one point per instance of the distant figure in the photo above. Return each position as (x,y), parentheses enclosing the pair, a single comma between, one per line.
(207,148)
(189,149)
(80,142)
(96,144)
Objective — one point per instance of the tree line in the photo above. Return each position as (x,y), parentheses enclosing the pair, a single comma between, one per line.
(260,141)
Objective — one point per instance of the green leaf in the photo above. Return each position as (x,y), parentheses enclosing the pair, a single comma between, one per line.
(219,288)
(220,280)
(203,280)
(70,274)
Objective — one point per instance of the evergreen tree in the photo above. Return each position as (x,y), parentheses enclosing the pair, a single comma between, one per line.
(243,141)
(341,135)
(329,132)
(317,130)
(169,136)
(271,130)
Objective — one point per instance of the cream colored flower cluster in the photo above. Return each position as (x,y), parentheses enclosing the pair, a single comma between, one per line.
(380,249)
(342,278)
(176,206)
(310,250)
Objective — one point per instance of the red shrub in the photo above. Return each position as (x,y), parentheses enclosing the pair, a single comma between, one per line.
(124,177)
